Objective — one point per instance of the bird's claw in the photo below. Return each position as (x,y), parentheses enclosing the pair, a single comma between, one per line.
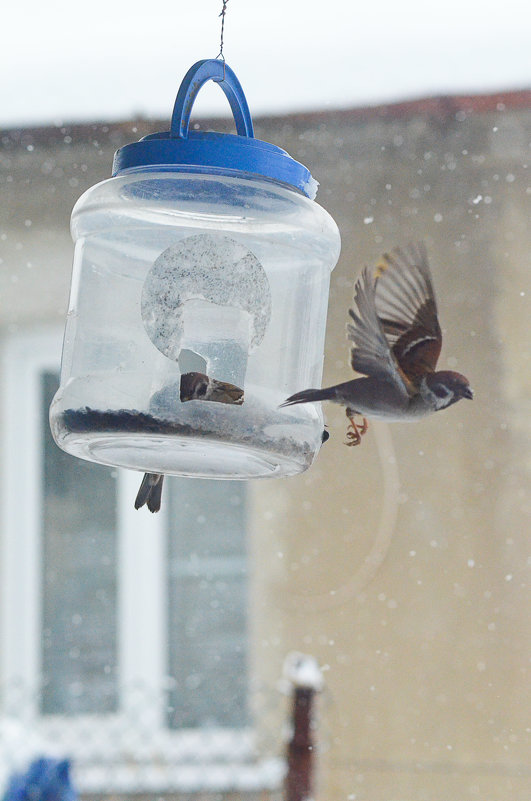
(353,437)
(355,431)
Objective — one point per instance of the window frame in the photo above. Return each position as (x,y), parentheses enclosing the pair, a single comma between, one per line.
(226,758)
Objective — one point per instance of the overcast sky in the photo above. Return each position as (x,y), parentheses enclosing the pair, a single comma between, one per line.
(114,59)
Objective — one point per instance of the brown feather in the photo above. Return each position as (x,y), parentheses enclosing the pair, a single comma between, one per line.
(408,311)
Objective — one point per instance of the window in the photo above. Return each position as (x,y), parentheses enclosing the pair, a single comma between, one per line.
(207,608)
(123,618)
(78,574)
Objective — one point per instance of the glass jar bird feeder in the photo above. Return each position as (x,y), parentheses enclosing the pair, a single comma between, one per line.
(198,303)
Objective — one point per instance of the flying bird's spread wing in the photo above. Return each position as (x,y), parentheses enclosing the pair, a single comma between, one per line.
(405,304)
(372,354)
(395,330)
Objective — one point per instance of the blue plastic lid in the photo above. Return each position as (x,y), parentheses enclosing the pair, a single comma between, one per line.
(194,151)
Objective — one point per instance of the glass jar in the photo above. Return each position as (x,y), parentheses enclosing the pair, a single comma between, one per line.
(204,255)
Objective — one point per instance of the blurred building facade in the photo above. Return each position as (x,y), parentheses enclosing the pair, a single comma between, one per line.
(149,648)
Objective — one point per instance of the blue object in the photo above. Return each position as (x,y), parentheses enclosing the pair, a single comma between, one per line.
(215,153)
(45,780)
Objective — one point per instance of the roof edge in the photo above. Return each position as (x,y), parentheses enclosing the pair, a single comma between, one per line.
(441,107)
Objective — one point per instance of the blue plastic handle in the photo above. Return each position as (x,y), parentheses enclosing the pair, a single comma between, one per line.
(201,72)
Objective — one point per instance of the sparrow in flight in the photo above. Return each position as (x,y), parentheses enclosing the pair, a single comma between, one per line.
(194,386)
(396,341)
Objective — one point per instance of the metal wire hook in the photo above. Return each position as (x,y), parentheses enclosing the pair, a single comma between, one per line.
(221,54)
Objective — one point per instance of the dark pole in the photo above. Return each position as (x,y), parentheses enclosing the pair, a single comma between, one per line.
(300,747)
(305,680)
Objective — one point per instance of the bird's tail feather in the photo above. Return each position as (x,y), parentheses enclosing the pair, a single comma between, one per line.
(150,492)
(310,396)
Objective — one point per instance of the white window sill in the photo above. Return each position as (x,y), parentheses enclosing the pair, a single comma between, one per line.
(159,778)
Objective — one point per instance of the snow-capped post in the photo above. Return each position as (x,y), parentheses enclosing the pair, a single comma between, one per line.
(305,679)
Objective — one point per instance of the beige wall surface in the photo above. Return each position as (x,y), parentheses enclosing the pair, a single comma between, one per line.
(401,565)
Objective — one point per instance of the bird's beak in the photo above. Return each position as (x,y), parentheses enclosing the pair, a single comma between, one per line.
(468,393)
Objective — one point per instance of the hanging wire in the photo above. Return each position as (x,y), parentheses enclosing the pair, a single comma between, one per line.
(221,54)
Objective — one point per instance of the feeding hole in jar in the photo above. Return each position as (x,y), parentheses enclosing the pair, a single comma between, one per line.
(206,304)
(190,362)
